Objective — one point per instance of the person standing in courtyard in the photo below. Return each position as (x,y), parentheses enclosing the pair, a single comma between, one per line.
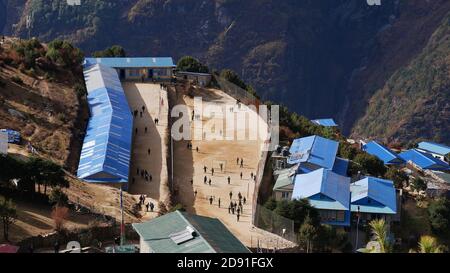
(152,206)
(245,200)
(229,180)
(147,206)
(149,151)
(211,200)
(238,216)
(212,171)
(219,203)
(237,161)
(210,182)
(205,169)
(231,195)
(242,163)
(242,175)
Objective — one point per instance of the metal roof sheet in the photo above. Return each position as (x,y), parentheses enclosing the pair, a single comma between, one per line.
(380,190)
(435,148)
(335,187)
(424,160)
(128,62)
(106,152)
(328,122)
(382,152)
(211,235)
(341,166)
(314,149)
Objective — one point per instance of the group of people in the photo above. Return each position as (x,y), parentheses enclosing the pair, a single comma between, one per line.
(144,174)
(190,147)
(140,113)
(149,206)
(241,161)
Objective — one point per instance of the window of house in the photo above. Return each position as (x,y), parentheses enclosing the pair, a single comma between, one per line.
(341,216)
(134,72)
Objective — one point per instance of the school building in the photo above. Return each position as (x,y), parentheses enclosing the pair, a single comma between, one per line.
(148,68)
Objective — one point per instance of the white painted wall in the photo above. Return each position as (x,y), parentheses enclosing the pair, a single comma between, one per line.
(3,143)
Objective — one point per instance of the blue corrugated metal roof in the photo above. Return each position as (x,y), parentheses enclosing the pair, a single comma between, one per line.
(333,188)
(341,166)
(106,152)
(424,161)
(315,150)
(374,195)
(328,122)
(383,153)
(132,62)
(435,148)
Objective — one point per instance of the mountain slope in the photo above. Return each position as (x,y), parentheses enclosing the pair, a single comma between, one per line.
(322,58)
(416,99)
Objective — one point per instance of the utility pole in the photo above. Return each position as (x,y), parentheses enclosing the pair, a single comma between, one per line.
(122,221)
(357,228)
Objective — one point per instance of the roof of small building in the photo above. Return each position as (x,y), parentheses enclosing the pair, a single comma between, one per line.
(211,236)
(328,122)
(285,178)
(382,152)
(335,187)
(314,149)
(127,62)
(424,160)
(341,166)
(435,148)
(381,190)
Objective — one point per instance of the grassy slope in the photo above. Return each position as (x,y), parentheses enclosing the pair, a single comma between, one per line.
(415,100)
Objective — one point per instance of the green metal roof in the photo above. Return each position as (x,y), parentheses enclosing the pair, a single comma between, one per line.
(211,235)
(285,178)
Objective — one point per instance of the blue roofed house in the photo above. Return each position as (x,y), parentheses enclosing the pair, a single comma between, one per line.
(106,151)
(149,68)
(328,192)
(308,154)
(315,152)
(437,150)
(374,198)
(328,122)
(424,161)
(383,153)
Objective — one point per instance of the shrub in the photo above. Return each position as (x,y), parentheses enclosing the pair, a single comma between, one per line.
(439,215)
(60,216)
(58,197)
(17,80)
(190,64)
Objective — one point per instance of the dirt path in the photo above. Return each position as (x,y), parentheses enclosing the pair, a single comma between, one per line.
(190,164)
(154,99)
